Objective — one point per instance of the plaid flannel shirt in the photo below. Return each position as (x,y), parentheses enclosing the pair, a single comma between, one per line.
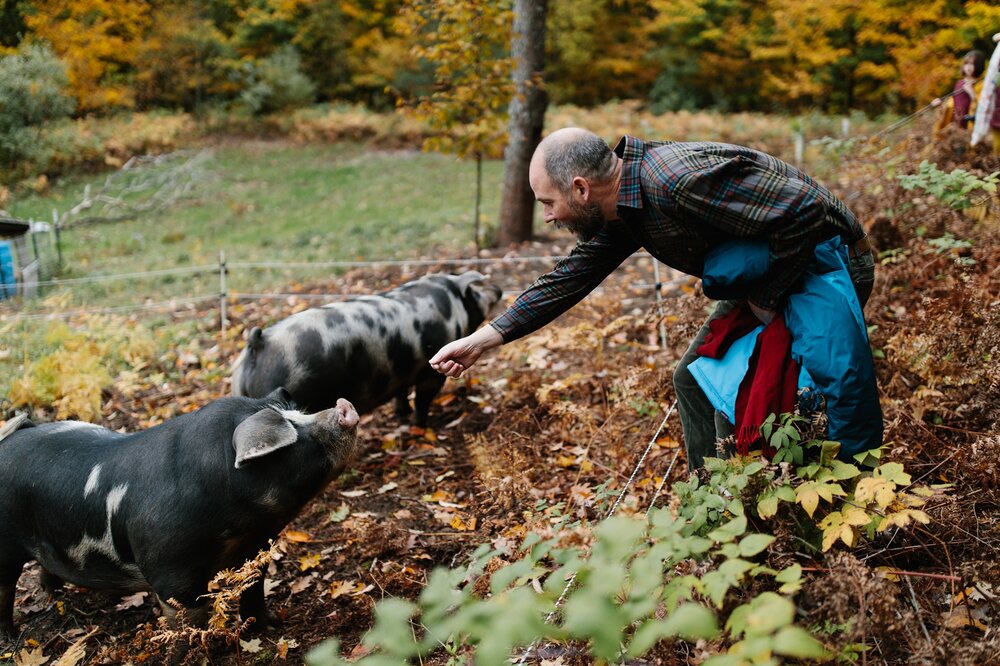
(679,200)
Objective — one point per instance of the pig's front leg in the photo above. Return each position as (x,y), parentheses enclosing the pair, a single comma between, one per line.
(181,589)
(195,615)
(429,384)
(7,631)
(252,604)
(403,409)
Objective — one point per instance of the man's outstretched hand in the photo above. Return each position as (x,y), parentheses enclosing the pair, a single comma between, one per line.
(455,357)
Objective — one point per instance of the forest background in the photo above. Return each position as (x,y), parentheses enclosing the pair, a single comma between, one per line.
(731,55)
(254,57)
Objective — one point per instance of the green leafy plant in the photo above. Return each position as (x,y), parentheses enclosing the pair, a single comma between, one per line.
(956,189)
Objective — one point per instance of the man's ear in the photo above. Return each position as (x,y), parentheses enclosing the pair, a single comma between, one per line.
(581,187)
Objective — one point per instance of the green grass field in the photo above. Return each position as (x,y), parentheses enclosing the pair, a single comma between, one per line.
(273,202)
(280,202)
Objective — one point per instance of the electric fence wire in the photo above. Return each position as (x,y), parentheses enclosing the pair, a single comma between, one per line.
(572,579)
(913,116)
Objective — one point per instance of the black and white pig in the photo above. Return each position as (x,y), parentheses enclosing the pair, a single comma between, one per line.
(166,508)
(369,349)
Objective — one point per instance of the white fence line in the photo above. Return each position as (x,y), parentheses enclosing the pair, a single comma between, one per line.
(408,262)
(90,279)
(118,309)
(223,268)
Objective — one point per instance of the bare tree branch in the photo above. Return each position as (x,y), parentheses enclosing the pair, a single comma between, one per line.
(144,184)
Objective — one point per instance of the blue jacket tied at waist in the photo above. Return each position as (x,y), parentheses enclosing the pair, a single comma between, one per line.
(829,339)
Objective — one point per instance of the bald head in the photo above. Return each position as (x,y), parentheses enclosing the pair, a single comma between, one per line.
(574,151)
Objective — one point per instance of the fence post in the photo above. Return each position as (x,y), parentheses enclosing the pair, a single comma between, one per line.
(800,141)
(55,227)
(845,127)
(222,292)
(659,302)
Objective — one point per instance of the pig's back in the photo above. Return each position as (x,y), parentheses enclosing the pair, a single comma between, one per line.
(367,350)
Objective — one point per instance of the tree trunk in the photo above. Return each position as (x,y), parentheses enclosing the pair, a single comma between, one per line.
(527,116)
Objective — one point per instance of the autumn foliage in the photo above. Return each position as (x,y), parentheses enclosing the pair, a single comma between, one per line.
(836,56)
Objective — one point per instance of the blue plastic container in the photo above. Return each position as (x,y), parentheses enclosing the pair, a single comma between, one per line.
(8,285)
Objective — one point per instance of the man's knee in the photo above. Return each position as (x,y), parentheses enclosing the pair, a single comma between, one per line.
(683,379)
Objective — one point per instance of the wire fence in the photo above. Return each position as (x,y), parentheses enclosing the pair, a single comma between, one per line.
(646,292)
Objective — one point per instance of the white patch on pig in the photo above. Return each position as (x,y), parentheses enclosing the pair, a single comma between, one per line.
(297,417)
(66,426)
(270,499)
(92,480)
(105,545)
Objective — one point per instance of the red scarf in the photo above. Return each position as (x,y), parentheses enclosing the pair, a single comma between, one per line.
(771,382)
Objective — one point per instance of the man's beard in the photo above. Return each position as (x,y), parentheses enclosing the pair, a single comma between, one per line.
(587,220)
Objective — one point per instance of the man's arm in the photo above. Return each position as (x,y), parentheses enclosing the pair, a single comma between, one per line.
(547,298)
(568,283)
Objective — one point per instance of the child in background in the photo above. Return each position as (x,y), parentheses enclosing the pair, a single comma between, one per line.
(960,108)
(995,118)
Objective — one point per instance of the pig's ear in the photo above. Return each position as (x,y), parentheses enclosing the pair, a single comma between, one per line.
(261,434)
(468,278)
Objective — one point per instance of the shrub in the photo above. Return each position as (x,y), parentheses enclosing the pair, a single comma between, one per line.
(276,83)
(32,93)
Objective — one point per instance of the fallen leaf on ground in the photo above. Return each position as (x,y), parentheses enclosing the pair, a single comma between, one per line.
(284,645)
(76,652)
(353,493)
(301,584)
(132,601)
(27,657)
(339,588)
(462,525)
(253,646)
(309,561)
(438,496)
(297,536)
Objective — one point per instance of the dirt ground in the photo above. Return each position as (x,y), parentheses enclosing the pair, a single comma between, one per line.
(530,434)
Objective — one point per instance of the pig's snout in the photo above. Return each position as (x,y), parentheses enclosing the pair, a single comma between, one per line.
(346,415)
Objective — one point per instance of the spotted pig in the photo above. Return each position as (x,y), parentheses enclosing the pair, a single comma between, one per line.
(369,349)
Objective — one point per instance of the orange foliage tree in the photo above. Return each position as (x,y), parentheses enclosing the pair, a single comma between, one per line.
(99,40)
(465,42)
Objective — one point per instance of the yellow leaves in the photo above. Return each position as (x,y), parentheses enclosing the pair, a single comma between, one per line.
(440,496)
(880,491)
(808,494)
(35,657)
(340,588)
(463,525)
(881,486)
(667,442)
(297,536)
(310,561)
(903,518)
(842,525)
(98,40)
